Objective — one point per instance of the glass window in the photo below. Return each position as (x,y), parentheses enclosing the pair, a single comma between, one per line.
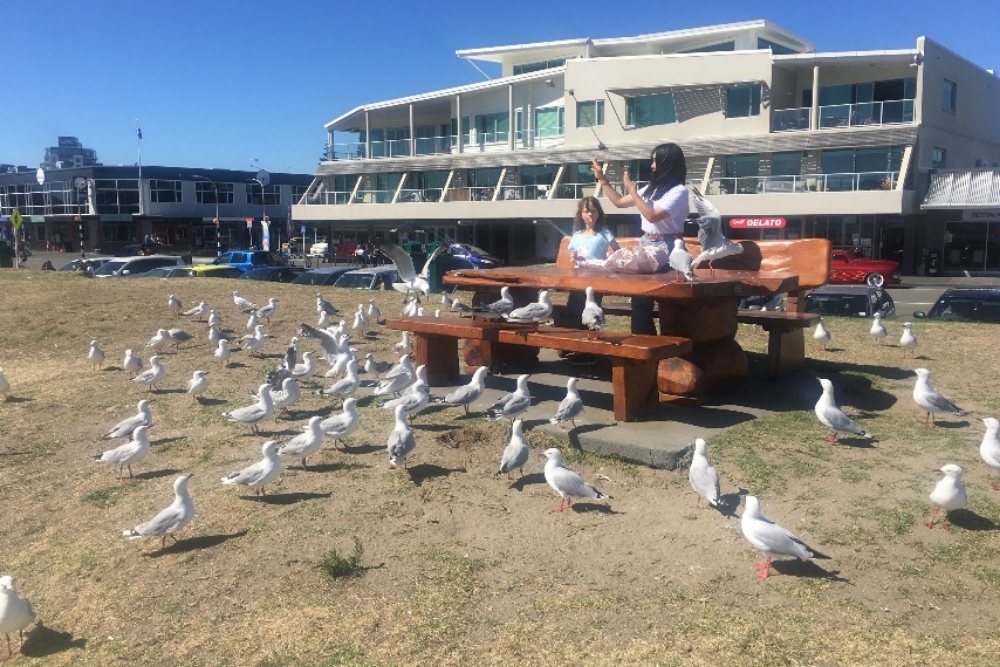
(550,121)
(721,46)
(650,110)
(270,196)
(839,161)
(493,127)
(939,158)
(776,49)
(590,114)
(164,192)
(949,96)
(484,177)
(535,67)
(205,192)
(743,101)
(786,164)
(743,165)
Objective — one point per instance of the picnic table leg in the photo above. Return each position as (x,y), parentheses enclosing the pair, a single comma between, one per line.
(497,355)
(634,385)
(786,351)
(440,355)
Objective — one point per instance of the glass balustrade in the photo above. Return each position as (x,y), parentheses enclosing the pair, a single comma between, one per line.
(419,195)
(844,115)
(806,183)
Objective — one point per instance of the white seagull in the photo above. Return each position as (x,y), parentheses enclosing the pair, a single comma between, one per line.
(989,449)
(500,307)
(397,379)
(175,304)
(256,413)
(771,539)
(702,475)
(360,320)
(133,451)
(413,401)
(534,312)
(132,364)
(267,311)
(340,426)
(833,417)
(197,385)
(4,386)
(154,375)
(566,483)
(404,345)
(908,341)
(374,314)
(197,311)
(243,304)
(931,401)
(144,417)
(95,355)
(948,494)
(822,334)
(214,335)
(468,394)
(16,612)
(515,454)
(178,336)
(260,474)
(252,321)
(345,387)
(714,245)
(592,316)
(512,404)
(373,367)
(214,318)
(222,353)
(411,280)
(159,341)
(324,306)
(401,441)
(878,329)
(286,395)
(682,262)
(306,443)
(570,407)
(171,519)
(252,344)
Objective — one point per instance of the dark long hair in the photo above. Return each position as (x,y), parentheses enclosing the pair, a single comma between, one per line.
(594,203)
(671,169)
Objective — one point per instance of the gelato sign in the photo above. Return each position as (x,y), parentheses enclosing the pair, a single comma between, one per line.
(756,223)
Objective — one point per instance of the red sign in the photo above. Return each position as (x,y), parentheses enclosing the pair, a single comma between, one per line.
(249,223)
(756,223)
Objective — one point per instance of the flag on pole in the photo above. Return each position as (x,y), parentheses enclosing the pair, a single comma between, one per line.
(138,130)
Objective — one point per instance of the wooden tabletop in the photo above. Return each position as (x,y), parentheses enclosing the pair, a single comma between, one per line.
(726,283)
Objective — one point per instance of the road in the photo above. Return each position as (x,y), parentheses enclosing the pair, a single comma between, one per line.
(911,298)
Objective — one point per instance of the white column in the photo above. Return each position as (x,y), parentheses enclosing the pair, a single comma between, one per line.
(368,136)
(814,109)
(510,117)
(458,114)
(413,139)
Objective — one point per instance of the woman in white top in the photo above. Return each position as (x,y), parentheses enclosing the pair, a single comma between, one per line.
(663,207)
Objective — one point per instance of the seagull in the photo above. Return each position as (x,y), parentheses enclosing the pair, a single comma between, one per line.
(468,394)
(446,300)
(412,307)
(404,345)
(413,401)
(948,494)
(178,336)
(374,367)
(197,385)
(931,401)
(592,316)
(306,443)
(702,475)
(132,364)
(374,314)
(197,311)
(175,304)
(96,355)
(338,367)
(990,447)
(171,519)
(222,353)
(268,311)
(243,304)
(458,307)
(411,280)
(253,343)
(515,454)
(512,404)
(291,359)
(878,329)
(347,386)
(908,341)
(324,321)
(16,612)
(570,407)
(714,246)
(324,306)
(833,417)
(252,321)
(4,386)
(214,319)
(397,379)
(533,312)
(682,262)
(256,413)
(144,417)
(306,369)
(154,375)
(214,335)
(133,451)
(327,340)
(360,320)
(159,341)
(822,334)
(501,307)
(771,539)
(566,483)
(340,426)
(286,396)
(401,441)
(260,474)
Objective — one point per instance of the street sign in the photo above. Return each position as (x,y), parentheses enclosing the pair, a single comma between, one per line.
(303,230)
(40,176)
(263,177)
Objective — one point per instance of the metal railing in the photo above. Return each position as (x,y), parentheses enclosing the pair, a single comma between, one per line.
(844,115)
(419,195)
(806,183)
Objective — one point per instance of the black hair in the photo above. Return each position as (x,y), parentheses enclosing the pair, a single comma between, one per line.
(590,202)
(671,169)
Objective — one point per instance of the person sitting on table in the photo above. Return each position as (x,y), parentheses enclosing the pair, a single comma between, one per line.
(662,205)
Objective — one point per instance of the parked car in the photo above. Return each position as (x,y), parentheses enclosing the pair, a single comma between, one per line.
(466,256)
(274,274)
(248,259)
(327,276)
(850,301)
(132,267)
(861,270)
(169,272)
(765,302)
(217,271)
(965,305)
(94,261)
(380,277)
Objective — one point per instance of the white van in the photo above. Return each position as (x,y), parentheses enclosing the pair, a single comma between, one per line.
(126,267)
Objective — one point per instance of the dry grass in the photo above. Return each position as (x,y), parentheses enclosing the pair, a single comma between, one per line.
(460,568)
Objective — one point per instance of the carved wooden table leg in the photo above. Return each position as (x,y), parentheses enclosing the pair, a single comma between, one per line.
(634,385)
(440,355)
(786,351)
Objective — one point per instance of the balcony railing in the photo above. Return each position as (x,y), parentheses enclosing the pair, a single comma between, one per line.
(807,183)
(844,115)
(419,195)
(474,142)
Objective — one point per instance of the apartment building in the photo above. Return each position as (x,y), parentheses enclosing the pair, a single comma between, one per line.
(787,142)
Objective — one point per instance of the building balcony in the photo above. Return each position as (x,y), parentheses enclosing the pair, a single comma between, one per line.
(865,114)
(806,183)
(474,142)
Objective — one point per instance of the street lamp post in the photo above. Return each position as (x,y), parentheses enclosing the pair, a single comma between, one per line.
(262,179)
(218,221)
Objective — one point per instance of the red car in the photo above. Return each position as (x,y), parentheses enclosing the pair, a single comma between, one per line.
(874,272)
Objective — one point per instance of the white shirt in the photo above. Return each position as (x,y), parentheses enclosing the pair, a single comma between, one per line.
(675,202)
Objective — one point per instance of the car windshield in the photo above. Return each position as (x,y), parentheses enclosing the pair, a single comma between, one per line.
(847,305)
(967,309)
(354,281)
(310,278)
(109,268)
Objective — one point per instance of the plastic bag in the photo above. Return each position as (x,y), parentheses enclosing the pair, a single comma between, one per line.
(640,259)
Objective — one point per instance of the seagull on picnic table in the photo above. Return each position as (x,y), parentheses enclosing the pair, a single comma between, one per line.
(132,364)
(175,304)
(948,494)
(512,404)
(144,417)
(222,353)
(197,311)
(908,341)
(702,475)
(404,345)
(169,520)
(833,417)
(534,312)
(989,449)
(243,304)
(411,281)
(570,407)
(500,307)
(714,245)
(931,401)
(260,474)
(878,329)
(822,334)
(159,341)
(374,314)
(566,483)
(347,386)
(95,355)
(133,451)
(340,426)
(324,306)
(256,413)
(16,612)
(306,443)
(214,318)
(197,385)
(154,375)
(268,310)
(468,394)
(771,539)
(401,441)
(516,453)
(592,316)
(682,262)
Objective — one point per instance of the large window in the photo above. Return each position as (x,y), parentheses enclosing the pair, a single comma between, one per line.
(786,164)
(949,96)
(650,110)
(743,101)
(721,46)
(939,158)
(535,67)
(165,192)
(205,192)
(550,121)
(590,114)
(741,173)
(271,195)
(776,49)
(492,128)
(116,197)
(861,168)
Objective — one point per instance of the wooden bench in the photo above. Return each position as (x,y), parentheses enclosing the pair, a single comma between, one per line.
(634,359)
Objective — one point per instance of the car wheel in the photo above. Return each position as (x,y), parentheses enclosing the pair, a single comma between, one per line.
(875,279)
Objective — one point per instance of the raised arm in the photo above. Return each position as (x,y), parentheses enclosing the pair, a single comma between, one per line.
(645,210)
(613,196)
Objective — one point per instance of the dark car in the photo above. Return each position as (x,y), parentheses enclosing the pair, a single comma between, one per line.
(850,301)
(274,274)
(376,278)
(965,305)
(169,272)
(467,256)
(321,276)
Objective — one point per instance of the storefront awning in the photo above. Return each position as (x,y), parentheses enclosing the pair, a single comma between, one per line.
(963,188)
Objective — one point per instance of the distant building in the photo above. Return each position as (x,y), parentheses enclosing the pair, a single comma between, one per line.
(69,153)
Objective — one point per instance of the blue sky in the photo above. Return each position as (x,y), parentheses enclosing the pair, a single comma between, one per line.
(217,83)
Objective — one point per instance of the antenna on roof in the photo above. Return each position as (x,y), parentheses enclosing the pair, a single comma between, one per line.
(469,60)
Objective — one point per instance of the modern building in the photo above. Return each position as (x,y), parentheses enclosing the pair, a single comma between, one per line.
(787,141)
(112,207)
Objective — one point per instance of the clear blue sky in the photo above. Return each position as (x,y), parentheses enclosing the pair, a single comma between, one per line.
(216,83)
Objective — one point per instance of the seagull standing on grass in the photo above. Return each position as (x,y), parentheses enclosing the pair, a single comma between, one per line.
(833,417)
(197,311)
(468,394)
(95,355)
(535,313)
(243,304)
(682,262)
(253,415)
(197,385)
(374,314)
(178,336)
(159,341)
(154,375)
(908,341)
(269,310)
(948,494)
(175,304)
(931,401)
(401,442)
(373,367)
(260,474)
(516,453)
(16,613)
(592,316)
(347,386)
(822,334)
(413,401)
(144,417)
(252,321)
(702,475)
(360,320)
(214,335)
(286,395)
(252,344)
(340,426)
(512,404)
(771,539)
(132,364)
(566,483)
(171,519)
(214,319)
(306,443)
(990,447)
(133,451)
(878,329)
(222,353)
(570,407)
(397,379)
(324,306)
(4,386)
(404,345)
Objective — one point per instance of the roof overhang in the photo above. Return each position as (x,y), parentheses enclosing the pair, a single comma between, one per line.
(963,188)
(849,58)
